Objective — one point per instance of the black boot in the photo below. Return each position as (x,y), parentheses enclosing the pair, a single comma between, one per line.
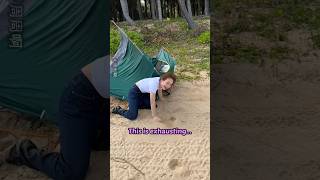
(21,151)
(117,110)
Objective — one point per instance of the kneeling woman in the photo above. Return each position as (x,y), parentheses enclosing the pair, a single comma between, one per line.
(83,126)
(143,95)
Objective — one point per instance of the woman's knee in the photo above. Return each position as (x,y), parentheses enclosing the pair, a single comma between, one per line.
(132,116)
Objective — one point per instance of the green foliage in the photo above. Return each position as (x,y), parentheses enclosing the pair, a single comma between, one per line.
(280,15)
(136,38)
(238,53)
(300,14)
(183,24)
(269,19)
(115,39)
(204,38)
(203,65)
(252,54)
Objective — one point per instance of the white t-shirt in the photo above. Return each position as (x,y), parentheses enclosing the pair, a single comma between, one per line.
(149,85)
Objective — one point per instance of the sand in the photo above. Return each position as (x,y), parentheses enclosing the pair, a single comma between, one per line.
(134,156)
(266,120)
(43,135)
(155,156)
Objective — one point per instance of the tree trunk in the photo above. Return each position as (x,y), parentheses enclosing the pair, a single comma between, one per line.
(139,9)
(132,10)
(153,9)
(125,11)
(194,7)
(146,9)
(191,23)
(159,10)
(171,9)
(150,15)
(178,10)
(206,8)
(199,7)
(163,8)
(189,7)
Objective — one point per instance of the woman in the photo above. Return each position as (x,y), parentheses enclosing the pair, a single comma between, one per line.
(143,96)
(83,126)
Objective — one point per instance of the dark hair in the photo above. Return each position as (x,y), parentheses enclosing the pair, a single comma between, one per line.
(168,75)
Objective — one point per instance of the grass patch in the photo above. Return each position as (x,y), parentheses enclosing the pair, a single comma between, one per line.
(136,37)
(114,41)
(204,38)
(269,19)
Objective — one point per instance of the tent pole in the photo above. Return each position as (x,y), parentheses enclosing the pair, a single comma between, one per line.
(127,36)
(118,27)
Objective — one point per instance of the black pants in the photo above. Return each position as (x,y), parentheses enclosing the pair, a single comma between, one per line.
(83,120)
(137,100)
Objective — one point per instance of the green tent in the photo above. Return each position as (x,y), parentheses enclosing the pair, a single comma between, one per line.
(130,64)
(59,37)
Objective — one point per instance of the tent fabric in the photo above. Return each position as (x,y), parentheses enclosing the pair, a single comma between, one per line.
(121,52)
(59,38)
(168,59)
(128,70)
(130,64)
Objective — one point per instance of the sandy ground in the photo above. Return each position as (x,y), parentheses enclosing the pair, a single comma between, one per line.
(266,121)
(146,156)
(44,135)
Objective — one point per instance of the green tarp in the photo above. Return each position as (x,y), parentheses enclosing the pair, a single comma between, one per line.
(130,64)
(59,37)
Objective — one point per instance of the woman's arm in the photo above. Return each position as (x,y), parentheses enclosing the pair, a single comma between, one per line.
(153,107)
(160,94)
(153,104)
